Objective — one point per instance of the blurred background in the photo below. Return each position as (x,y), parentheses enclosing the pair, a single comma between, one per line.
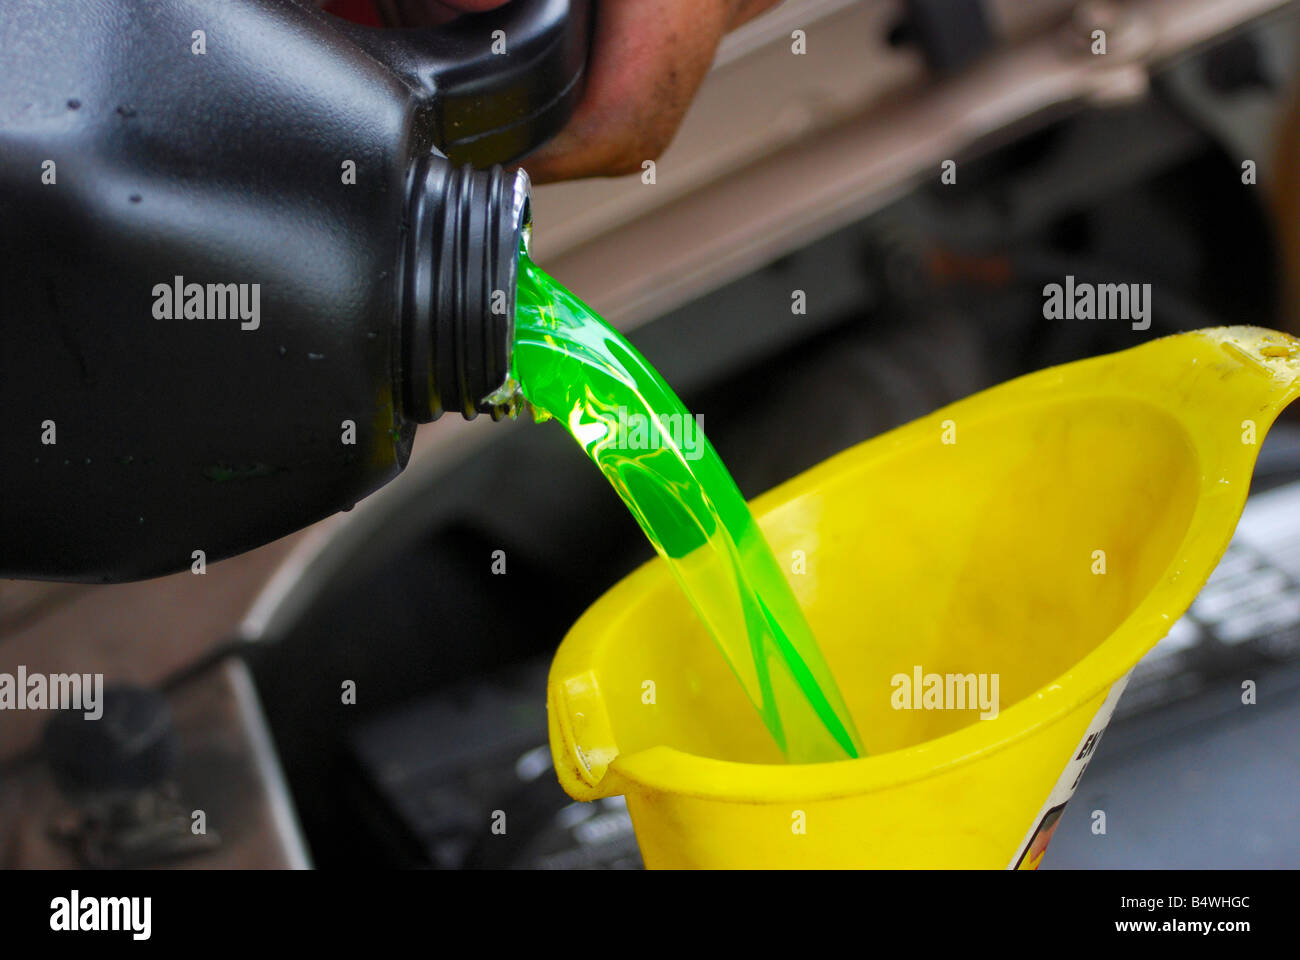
(817,173)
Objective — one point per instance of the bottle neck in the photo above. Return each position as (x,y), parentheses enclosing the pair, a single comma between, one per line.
(458,279)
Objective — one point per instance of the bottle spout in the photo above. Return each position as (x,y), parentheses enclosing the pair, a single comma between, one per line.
(458,287)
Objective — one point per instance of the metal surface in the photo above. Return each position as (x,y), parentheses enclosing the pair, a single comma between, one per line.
(858,125)
(227,768)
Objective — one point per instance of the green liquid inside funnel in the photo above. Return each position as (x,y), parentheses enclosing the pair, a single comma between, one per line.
(572,366)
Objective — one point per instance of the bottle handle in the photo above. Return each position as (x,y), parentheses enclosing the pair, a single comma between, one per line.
(498,84)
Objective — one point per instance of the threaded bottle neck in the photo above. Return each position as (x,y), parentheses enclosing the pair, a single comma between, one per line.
(458,286)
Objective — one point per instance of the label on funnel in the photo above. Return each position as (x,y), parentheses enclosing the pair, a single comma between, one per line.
(1030,853)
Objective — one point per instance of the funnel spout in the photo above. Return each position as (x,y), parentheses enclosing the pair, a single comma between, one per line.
(1223,371)
(1273,356)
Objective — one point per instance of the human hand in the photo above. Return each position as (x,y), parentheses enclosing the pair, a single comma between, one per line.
(648,58)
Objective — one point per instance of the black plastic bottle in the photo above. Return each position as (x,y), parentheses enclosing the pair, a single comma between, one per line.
(237,266)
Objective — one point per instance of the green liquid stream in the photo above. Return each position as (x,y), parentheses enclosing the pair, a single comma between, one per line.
(572,366)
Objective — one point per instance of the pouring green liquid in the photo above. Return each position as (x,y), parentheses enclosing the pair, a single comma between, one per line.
(572,366)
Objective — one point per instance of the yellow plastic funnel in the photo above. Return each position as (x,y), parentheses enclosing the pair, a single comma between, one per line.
(1046,533)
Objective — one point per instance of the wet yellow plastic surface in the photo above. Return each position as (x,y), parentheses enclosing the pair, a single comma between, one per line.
(976,555)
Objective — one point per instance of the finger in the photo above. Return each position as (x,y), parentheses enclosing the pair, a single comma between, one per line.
(648,59)
(746,10)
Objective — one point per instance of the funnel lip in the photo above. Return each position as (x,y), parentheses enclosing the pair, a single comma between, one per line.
(1209,529)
